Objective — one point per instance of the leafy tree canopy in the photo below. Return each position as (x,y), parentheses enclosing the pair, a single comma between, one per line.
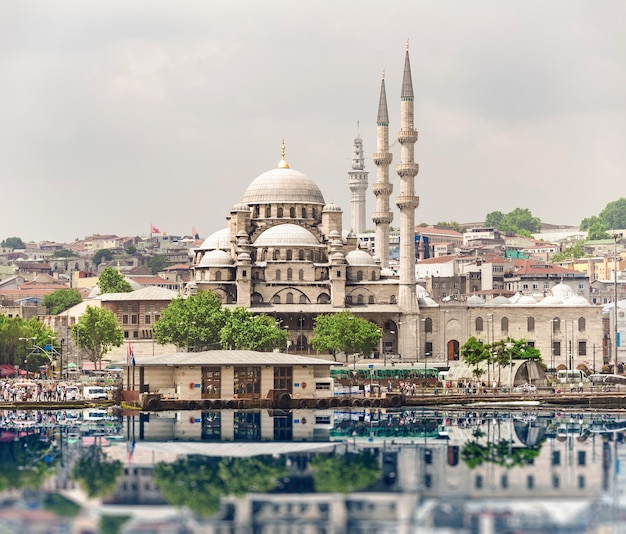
(575,251)
(97,332)
(12,242)
(194,322)
(95,474)
(452,224)
(343,332)
(102,255)
(244,331)
(60,300)
(131,249)
(157,263)
(519,221)
(63,253)
(346,473)
(112,281)
(613,216)
(474,353)
(18,336)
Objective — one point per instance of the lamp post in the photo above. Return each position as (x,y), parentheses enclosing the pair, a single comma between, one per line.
(509,346)
(17,367)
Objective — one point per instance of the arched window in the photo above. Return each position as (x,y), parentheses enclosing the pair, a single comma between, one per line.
(392,299)
(277,274)
(323,298)
(289,255)
(373,275)
(359,276)
(304,213)
(276,299)
(581,324)
(289,274)
(279,212)
(276,254)
(302,299)
(556,324)
(479,324)
(290,298)
(314,213)
(530,324)
(301,255)
(349,299)
(292,213)
(218,276)
(504,324)
(428,325)
(268,211)
(359,299)
(370,299)
(256,298)
(301,274)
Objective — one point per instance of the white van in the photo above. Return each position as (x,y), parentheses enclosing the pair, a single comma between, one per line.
(94,393)
(72,393)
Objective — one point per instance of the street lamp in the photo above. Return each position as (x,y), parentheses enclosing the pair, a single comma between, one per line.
(509,346)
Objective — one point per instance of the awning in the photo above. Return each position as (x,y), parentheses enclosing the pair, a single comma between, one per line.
(91,366)
(7,370)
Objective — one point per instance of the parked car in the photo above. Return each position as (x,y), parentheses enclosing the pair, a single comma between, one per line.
(526,388)
(72,393)
(94,393)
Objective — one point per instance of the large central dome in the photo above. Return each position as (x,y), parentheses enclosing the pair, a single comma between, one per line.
(283,185)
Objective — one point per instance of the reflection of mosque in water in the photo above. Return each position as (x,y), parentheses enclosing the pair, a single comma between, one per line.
(436,467)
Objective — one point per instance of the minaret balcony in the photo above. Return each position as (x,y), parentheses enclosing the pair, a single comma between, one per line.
(382,217)
(408,202)
(384,188)
(407,169)
(382,158)
(407,136)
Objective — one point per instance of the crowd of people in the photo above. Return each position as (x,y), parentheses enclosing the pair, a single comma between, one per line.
(37,391)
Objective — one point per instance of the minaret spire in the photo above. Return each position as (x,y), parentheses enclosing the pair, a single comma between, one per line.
(358,179)
(382,189)
(407,202)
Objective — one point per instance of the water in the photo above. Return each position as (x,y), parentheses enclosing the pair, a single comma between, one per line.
(330,471)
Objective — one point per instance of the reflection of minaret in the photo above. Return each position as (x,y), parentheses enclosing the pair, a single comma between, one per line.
(358,186)
(382,189)
(407,201)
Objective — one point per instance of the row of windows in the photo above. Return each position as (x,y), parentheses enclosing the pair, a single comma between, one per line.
(280,212)
(134,318)
(556,322)
(530,482)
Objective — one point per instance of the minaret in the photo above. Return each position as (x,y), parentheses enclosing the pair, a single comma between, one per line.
(382,189)
(358,185)
(407,201)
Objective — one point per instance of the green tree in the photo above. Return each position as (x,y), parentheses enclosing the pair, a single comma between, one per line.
(60,300)
(194,322)
(345,474)
(157,263)
(97,332)
(95,474)
(18,336)
(244,331)
(494,219)
(474,353)
(614,214)
(343,332)
(575,251)
(112,281)
(131,249)
(452,224)
(13,243)
(102,255)
(64,253)
(519,221)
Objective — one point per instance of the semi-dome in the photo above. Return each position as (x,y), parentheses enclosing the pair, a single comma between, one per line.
(219,239)
(216,258)
(426,302)
(285,186)
(286,235)
(359,257)
(475,300)
(500,300)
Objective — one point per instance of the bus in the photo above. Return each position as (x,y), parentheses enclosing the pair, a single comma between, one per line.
(569,376)
(380,372)
(603,380)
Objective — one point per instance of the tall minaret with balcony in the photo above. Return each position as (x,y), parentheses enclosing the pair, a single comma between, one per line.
(358,185)
(382,189)
(407,201)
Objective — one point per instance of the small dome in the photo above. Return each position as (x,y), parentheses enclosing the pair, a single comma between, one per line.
(334,234)
(562,291)
(240,207)
(359,257)
(285,186)
(475,300)
(332,207)
(283,235)
(500,300)
(216,258)
(338,256)
(526,300)
(420,291)
(219,239)
(576,300)
(244,256)
(551,300)
(425,302)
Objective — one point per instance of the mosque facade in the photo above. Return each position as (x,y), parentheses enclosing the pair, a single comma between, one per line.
(284,252)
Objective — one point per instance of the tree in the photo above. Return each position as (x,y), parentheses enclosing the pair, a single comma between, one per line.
(101,255)
(17,337)
(97,332)
(95,474)
(60,300)
(345,474)
(494,219)
(244,331)
(64,253)
(157,263)
(194,322)
(519,221)
(614,214)
(111,281)
(575,251)
(13,243)
(474,353)
(131,249)
(343,332)
(452,224)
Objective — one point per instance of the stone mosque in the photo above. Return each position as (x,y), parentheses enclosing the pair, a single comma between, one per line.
(285,253)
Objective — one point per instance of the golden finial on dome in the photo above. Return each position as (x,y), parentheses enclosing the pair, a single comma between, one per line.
(283,164)
(407,45)
(383,74)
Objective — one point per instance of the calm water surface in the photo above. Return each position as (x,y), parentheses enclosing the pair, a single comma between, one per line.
(332,471)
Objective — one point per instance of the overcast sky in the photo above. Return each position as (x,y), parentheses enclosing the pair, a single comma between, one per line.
(118,114)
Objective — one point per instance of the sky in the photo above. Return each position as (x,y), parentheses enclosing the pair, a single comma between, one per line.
(120,114)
